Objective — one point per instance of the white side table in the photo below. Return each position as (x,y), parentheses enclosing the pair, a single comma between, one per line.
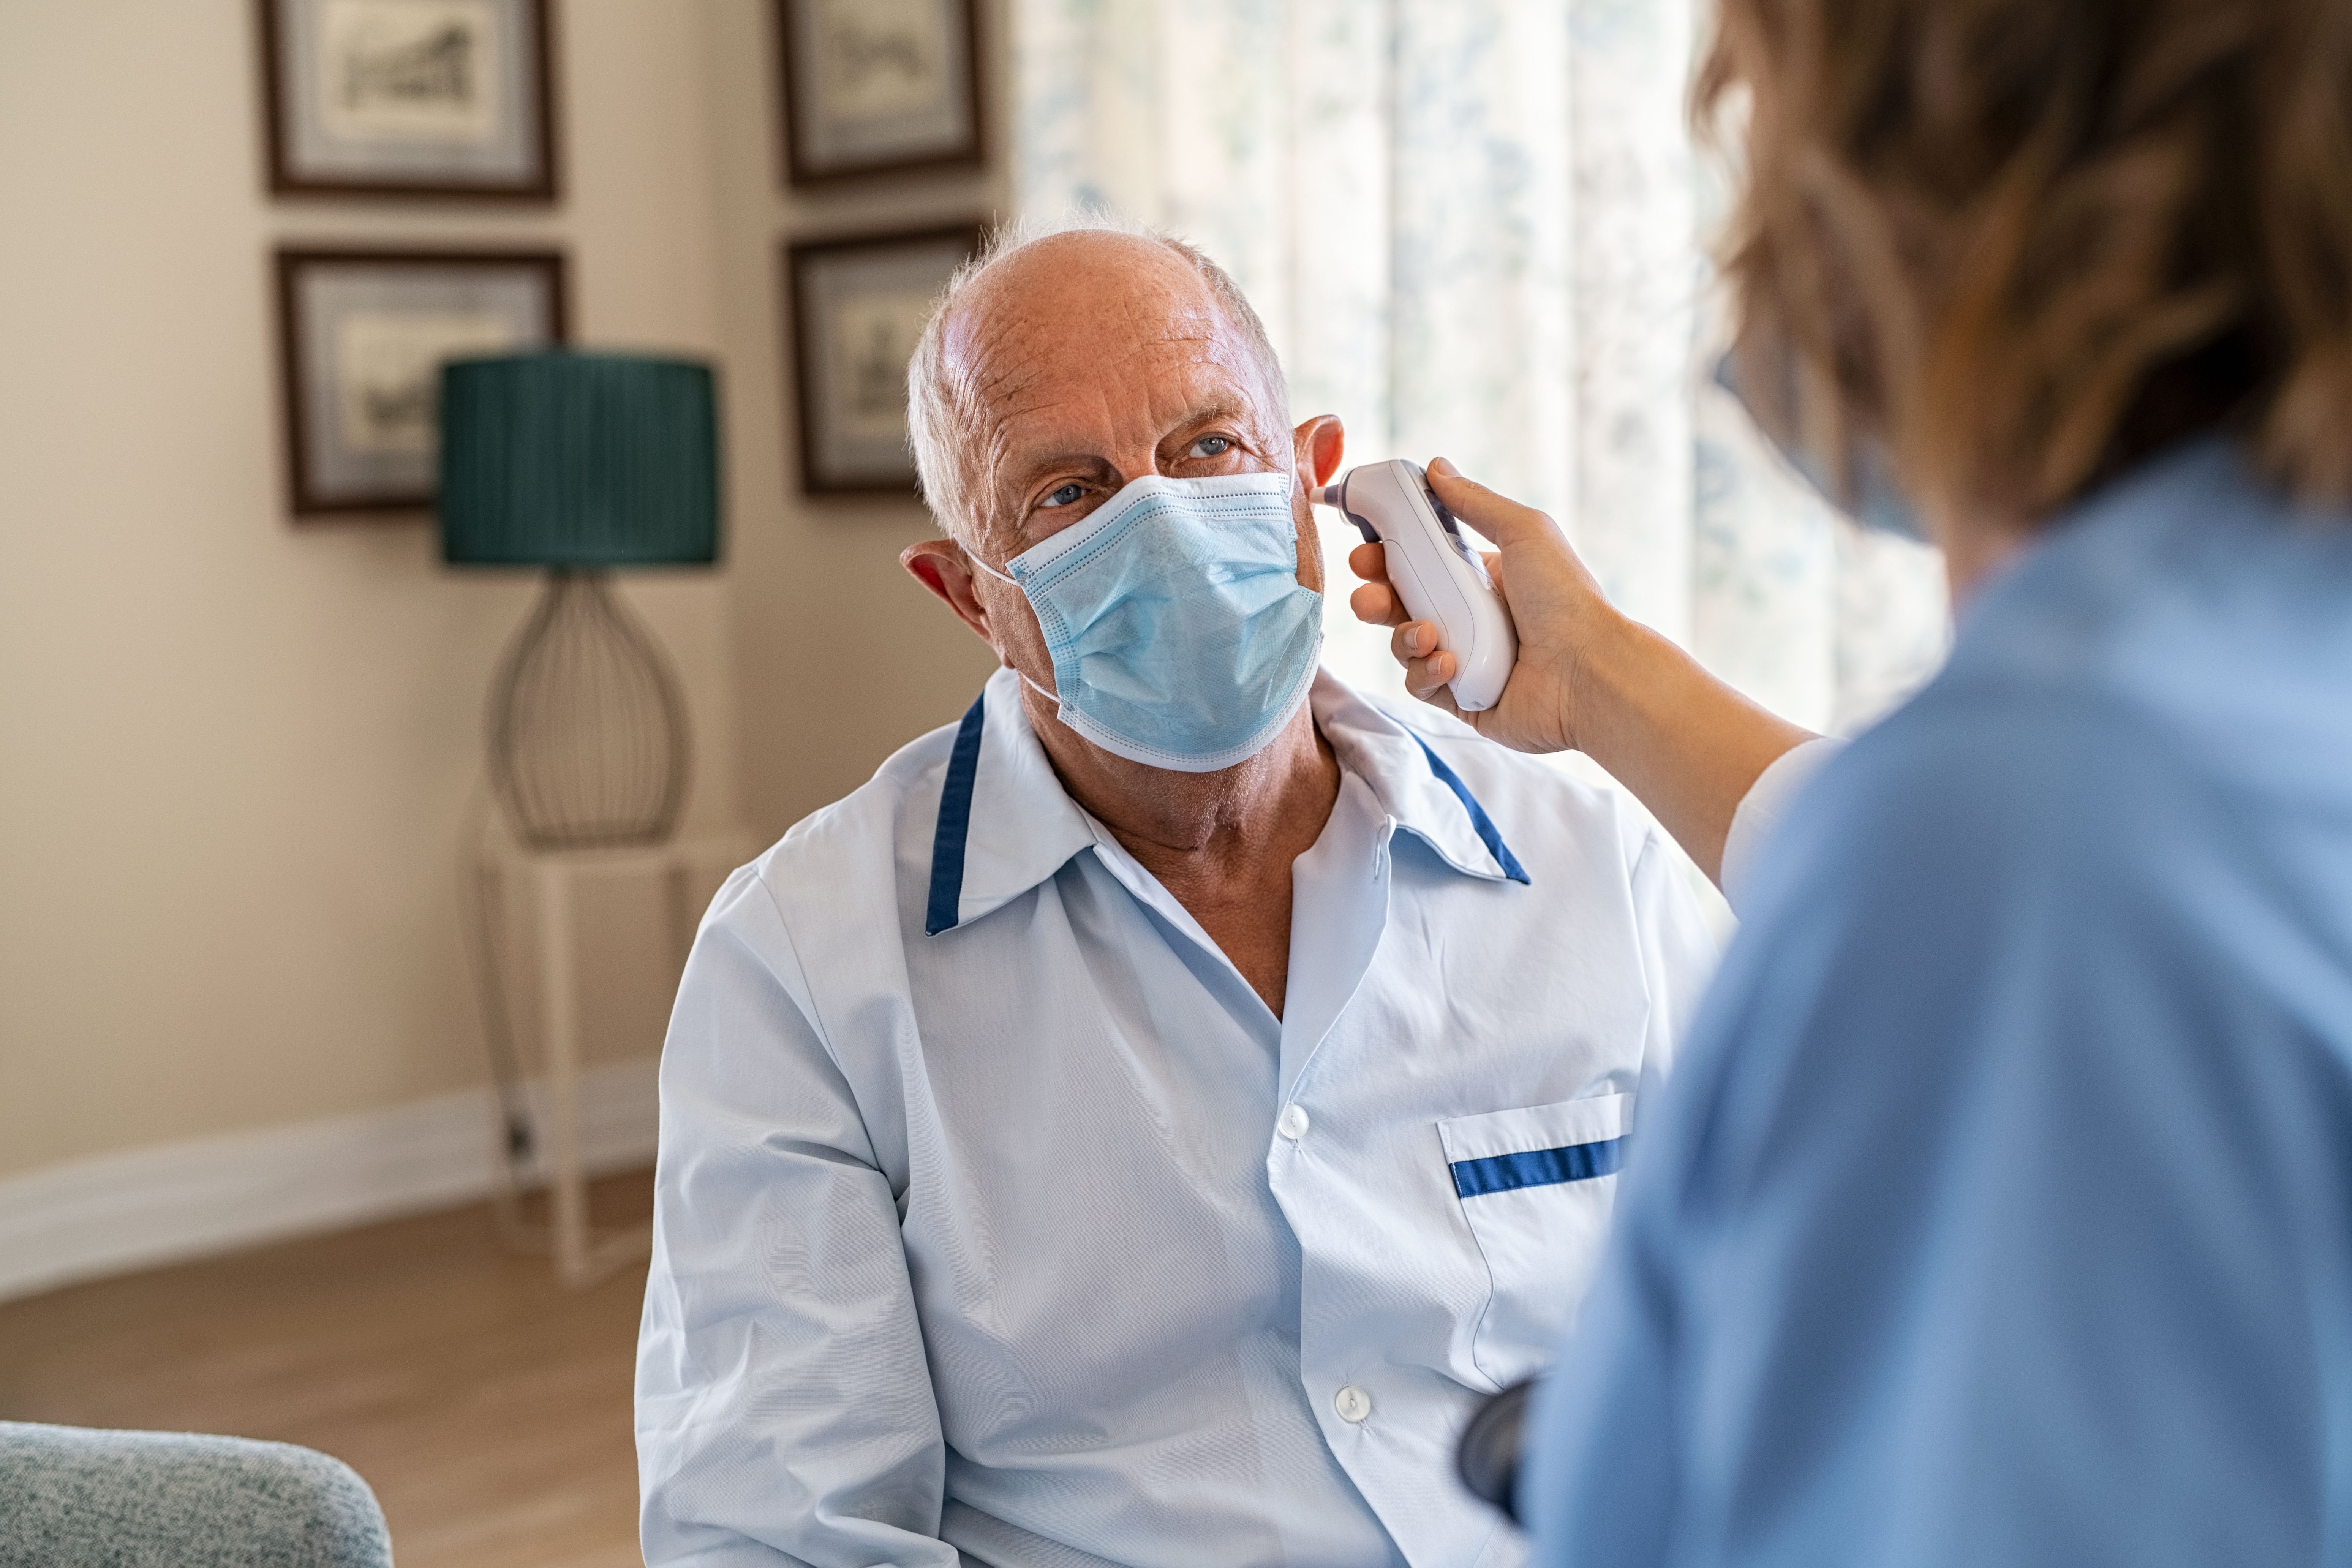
(583,1253)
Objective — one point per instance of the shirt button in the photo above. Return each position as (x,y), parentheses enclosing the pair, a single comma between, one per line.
(1352,1404)
(1292,1122)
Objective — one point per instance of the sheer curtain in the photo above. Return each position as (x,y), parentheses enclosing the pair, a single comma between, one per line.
(1472,228)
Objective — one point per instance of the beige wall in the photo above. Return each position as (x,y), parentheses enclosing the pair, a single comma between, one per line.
(234,755)
(842,658)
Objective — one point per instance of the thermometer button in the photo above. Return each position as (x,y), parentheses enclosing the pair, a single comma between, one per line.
(1445,517)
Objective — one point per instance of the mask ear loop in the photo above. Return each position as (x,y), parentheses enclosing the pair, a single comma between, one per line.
(1015,583)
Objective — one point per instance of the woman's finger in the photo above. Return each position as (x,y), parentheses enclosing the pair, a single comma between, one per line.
(1413,640)
(1377,604)
(1426,679)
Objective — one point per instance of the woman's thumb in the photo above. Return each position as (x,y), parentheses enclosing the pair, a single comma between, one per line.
(1500,519)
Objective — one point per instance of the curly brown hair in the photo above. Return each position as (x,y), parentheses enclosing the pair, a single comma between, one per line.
(2025,243)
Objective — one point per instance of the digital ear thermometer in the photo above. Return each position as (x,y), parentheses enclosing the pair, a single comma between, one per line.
(1434,571)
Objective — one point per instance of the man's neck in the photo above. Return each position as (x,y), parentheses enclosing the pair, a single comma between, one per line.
(1221,843)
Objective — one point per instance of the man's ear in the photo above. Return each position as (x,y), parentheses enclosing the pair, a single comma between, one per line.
(1319,443)
(940,565)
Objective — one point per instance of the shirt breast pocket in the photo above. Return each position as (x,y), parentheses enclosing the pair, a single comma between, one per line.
(1536,1187)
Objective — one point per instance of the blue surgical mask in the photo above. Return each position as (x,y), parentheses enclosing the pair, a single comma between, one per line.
(1869,495)
(1182,638)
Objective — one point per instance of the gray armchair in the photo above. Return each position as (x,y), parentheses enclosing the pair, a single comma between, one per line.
(76,1499)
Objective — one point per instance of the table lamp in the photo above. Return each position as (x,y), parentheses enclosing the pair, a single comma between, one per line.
(582,463)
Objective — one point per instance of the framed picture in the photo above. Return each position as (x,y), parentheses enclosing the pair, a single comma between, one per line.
(857,306)
(409,98)
(879,87)
(362,335)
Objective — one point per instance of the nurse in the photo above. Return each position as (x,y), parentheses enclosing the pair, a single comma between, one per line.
(2001,1209)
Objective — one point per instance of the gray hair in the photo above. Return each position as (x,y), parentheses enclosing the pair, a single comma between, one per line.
(945,418)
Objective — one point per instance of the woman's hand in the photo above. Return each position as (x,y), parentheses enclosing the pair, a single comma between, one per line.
(1556,604)
(1588,678)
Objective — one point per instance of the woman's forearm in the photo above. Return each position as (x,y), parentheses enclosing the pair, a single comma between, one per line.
(1684,744)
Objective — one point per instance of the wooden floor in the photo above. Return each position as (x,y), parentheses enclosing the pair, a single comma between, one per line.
(488,1407)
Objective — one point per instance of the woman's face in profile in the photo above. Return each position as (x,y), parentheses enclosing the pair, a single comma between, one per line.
(2009,251)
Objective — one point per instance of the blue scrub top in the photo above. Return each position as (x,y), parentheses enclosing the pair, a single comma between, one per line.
(2001,1210)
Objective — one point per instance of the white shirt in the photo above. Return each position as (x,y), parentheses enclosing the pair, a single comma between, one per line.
(997,1212)
(1755,821)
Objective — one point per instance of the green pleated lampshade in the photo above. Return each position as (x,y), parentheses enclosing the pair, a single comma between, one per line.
(579,460)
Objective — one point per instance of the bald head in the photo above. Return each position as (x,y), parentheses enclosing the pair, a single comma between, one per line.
(1092,347)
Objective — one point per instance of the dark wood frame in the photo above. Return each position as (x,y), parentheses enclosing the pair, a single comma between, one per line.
(797,254)
(288,264)
(285,182)
(797,171)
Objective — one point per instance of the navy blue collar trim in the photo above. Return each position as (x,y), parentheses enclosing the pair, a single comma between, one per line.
(1487,835)
(945,909)
(955,822)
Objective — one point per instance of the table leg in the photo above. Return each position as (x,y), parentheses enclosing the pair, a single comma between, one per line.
(559,1000)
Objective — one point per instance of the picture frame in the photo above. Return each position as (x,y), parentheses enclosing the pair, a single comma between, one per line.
(361,335)
(857,304)
(878,86)
(441,99)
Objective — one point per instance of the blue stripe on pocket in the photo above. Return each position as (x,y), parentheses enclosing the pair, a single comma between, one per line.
(1538,1168)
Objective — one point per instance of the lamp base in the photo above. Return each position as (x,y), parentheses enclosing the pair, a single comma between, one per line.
(587,730)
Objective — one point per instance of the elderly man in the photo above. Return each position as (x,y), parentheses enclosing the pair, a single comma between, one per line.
(1141,1124)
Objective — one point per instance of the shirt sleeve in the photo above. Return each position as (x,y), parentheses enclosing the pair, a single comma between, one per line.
(784,1409)
(1755,822)
(1678,952)
(1996,1216)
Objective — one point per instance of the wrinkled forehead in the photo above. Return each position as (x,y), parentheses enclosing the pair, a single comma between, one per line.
(1084,339)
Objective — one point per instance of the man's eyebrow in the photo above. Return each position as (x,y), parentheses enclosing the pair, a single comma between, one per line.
(1047,463)
(1237,409)
(1204,413)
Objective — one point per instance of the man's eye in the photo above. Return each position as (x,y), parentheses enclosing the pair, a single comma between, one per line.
(1065,496)
(1211,447)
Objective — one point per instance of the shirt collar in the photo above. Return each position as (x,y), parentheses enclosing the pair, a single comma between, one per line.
(1412,781)
(1005,823)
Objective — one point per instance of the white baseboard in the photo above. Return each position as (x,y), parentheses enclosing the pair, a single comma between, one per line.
(117,1213)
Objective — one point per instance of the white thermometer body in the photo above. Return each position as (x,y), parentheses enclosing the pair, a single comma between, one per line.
(1434,571)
